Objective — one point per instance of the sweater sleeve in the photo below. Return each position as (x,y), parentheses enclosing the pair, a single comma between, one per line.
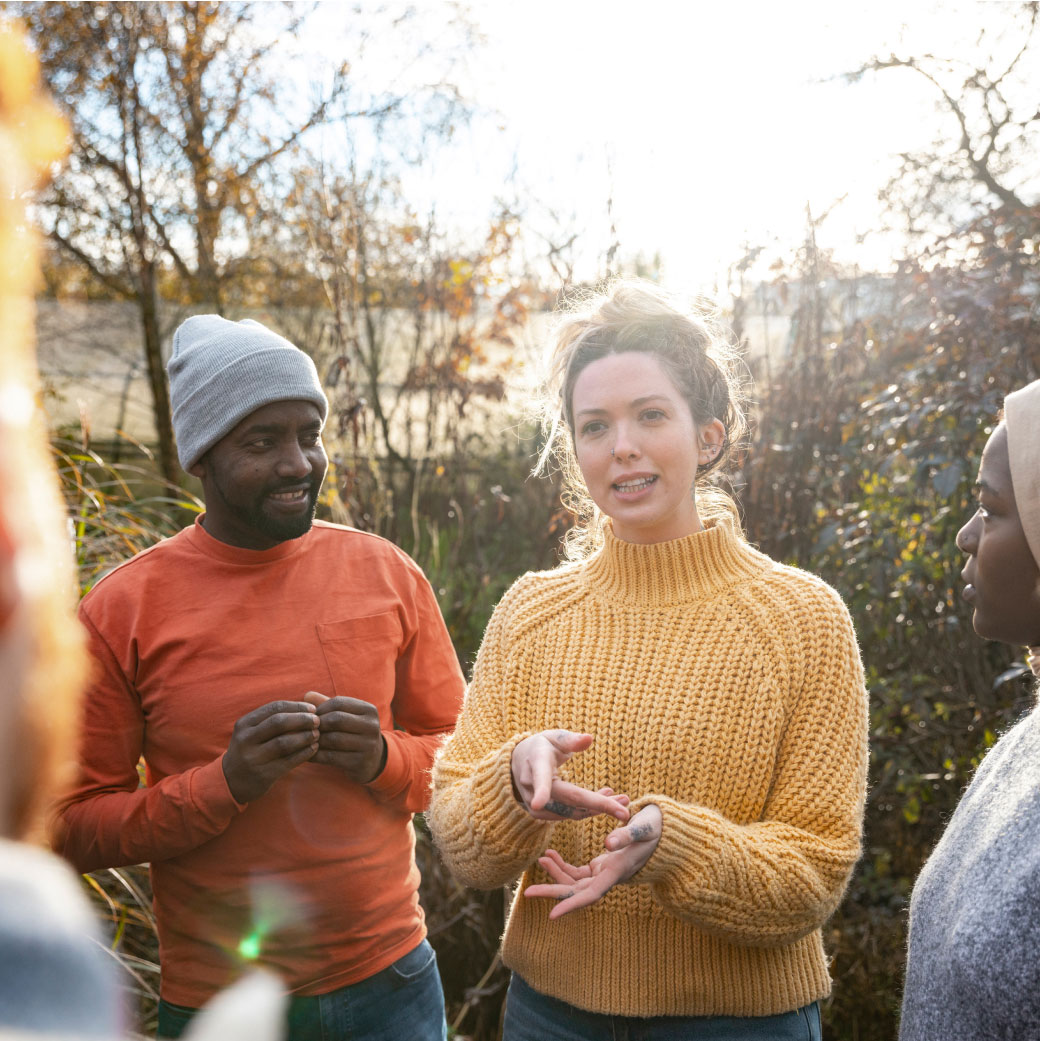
(484,835)
(427,697)
(772,881)
(107,819)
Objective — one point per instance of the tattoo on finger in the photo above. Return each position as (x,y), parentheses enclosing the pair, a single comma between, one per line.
(562,809)
(566,896)
(641,832)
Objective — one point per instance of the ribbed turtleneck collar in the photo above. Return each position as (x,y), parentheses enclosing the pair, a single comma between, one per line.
(203,541)
(677,571)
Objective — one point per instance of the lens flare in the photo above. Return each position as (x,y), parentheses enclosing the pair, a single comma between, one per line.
(249,948)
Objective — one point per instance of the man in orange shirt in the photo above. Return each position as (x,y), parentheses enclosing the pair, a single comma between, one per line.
(287,682)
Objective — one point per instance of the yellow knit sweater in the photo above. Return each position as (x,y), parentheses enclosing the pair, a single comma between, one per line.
(723,687)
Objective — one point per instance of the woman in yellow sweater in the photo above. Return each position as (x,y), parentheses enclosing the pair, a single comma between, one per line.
(719,691)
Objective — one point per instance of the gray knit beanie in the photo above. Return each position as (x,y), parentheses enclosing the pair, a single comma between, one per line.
(220,371)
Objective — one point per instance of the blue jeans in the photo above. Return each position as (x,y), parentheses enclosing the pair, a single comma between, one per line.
(531,1016)
(405,1000)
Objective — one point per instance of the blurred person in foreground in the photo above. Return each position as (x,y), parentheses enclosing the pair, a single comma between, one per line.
(973,968)
(55,977)
(286,681)
(665,737)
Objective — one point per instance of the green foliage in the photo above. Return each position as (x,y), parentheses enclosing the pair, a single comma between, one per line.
(480,525)
(122,898)
(115,509)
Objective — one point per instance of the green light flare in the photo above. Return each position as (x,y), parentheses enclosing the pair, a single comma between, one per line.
(249,948)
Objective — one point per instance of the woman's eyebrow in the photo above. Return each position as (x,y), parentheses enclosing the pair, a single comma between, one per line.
(632,404)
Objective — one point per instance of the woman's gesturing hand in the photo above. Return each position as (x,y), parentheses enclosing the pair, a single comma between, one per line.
(536,761)
(628,849)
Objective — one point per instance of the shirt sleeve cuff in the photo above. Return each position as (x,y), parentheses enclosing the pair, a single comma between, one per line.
(210,792)
(393,778)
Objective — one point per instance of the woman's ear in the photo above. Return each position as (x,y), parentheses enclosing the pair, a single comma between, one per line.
(711,438)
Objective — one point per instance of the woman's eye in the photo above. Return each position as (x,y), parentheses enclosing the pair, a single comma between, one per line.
(653,415)
(593,427)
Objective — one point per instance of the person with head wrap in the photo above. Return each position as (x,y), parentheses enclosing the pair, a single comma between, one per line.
(973,970)
(286,682)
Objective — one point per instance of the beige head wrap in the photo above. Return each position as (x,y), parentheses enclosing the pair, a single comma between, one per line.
(1022,419)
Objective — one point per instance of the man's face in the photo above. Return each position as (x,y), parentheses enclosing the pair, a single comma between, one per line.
(261,481)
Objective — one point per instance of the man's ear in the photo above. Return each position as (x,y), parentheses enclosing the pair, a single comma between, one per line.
(198,469)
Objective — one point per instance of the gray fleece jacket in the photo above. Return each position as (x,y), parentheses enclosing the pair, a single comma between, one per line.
(973,970)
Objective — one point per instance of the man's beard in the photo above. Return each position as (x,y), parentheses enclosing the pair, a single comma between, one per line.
(281,529)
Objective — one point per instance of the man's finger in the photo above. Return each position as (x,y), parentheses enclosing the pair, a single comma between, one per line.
(284,746)
(344,741)
(333,757)
(344,723)
(302,756)
(273,708)
(280,724)
(348,706)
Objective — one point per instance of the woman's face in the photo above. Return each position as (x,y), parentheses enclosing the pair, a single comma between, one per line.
(1003,580)
(639,448)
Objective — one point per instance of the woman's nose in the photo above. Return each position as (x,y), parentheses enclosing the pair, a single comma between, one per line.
(625,446)
(967,538)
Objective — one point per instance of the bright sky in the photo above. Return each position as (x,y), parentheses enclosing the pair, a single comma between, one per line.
(711,124)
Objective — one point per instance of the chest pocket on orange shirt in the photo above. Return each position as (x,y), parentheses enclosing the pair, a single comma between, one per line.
(361,654)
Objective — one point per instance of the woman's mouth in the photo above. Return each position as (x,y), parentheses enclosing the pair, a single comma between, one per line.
(634,484)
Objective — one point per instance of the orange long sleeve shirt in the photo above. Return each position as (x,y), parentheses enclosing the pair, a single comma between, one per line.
(316,879)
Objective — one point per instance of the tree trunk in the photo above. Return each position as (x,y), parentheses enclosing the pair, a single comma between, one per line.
(207,223)
(149,308)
